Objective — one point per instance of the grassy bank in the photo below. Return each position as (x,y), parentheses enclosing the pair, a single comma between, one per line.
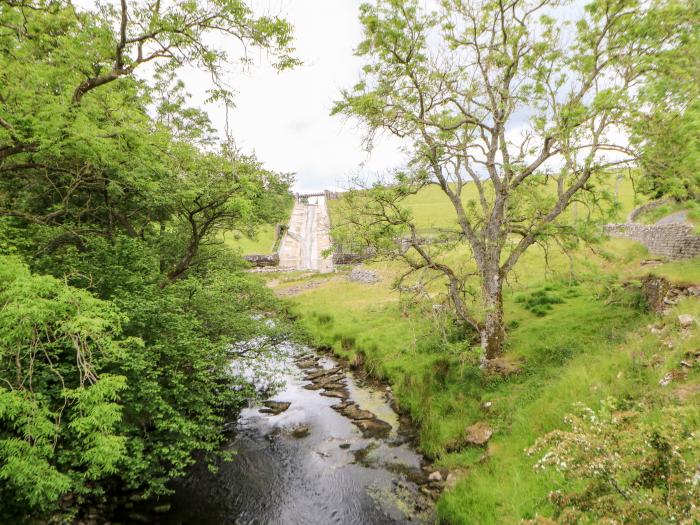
(574,342)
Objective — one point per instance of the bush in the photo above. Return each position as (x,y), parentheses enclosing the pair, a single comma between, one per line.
(624,467)
(539,302)
(60,408)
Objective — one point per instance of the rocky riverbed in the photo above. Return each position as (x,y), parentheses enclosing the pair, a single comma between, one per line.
(327,448)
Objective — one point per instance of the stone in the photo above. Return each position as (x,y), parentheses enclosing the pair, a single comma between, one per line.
(301,431)
(345,446)
(274,407)
(478,434)
(333,386)
(361,275)
(329,380)
(322,372)
(341,406)
(340,394)
(502,366)
(307,363)
(435,476)
(353,411)
(165,507)
(686,320)
(375,428)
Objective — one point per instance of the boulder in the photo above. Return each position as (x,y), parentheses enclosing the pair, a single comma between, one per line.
(361,275)
(686,320)
(301,431)
(353,411)
(340,406)
(375,428)
(274,407)
(307,363)
(322,372)
(478,434)
(435,476)
(340,394)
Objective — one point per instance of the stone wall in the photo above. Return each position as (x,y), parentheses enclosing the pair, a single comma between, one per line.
(675,241)
(647,207)
(260,261)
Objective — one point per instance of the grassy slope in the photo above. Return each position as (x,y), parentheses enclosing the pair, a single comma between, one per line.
(583,350)
(431,208)
(262,243)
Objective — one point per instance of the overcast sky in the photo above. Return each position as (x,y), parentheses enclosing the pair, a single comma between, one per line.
(285,117)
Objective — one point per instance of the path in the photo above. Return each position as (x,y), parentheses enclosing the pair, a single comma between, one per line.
(307,237)
(679,216)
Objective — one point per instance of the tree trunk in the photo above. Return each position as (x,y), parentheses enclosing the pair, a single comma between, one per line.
(493,333)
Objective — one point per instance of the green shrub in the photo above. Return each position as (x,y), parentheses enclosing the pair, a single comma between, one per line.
(540,301)
(623,467)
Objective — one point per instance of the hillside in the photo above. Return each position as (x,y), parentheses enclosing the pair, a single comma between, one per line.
(574,338)
(431,209)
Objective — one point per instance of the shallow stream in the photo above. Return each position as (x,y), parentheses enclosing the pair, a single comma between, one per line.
(310,464)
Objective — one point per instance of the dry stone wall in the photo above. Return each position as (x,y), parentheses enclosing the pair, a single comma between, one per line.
(261,261)
(675,241)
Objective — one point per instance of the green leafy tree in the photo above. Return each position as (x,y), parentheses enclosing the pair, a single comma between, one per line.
(60,413)
(666,128)
(115,187)
(520,100)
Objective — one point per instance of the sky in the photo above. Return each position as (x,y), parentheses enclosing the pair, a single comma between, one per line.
(284,118)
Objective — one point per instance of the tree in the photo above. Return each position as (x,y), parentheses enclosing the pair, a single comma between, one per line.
(519,99)
(99,165)
(666,128)
(120,303)
(59,414)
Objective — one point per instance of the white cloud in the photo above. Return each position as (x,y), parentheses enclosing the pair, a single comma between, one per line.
(285,117)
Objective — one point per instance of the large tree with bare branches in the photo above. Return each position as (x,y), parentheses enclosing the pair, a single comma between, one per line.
(523,100)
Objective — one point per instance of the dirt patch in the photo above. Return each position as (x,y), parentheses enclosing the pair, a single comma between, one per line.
(297,289)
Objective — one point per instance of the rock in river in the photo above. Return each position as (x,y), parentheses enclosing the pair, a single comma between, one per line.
(274,407)
(301,431)
(340,394)
(375,428)
(353,411)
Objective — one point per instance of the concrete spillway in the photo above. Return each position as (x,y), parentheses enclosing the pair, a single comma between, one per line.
(307,237)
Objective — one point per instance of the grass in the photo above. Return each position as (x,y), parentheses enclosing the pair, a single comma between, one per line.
(576,335)
(691,207)
(431,208)
(263,243)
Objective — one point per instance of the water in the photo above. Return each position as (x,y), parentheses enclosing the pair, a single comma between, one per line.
(332,475)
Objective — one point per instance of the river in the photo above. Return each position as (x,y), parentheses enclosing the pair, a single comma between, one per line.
(310,464)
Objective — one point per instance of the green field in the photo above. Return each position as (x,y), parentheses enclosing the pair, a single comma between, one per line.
(263,243)
(431,208)
(590,343)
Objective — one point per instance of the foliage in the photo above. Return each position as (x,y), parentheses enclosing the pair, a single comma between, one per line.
(539,302)
(115,194)
(666,128)
(60,410)
(632,470)
(513,114)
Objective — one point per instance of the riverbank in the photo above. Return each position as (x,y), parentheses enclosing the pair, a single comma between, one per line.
(569,342)
(325,447)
